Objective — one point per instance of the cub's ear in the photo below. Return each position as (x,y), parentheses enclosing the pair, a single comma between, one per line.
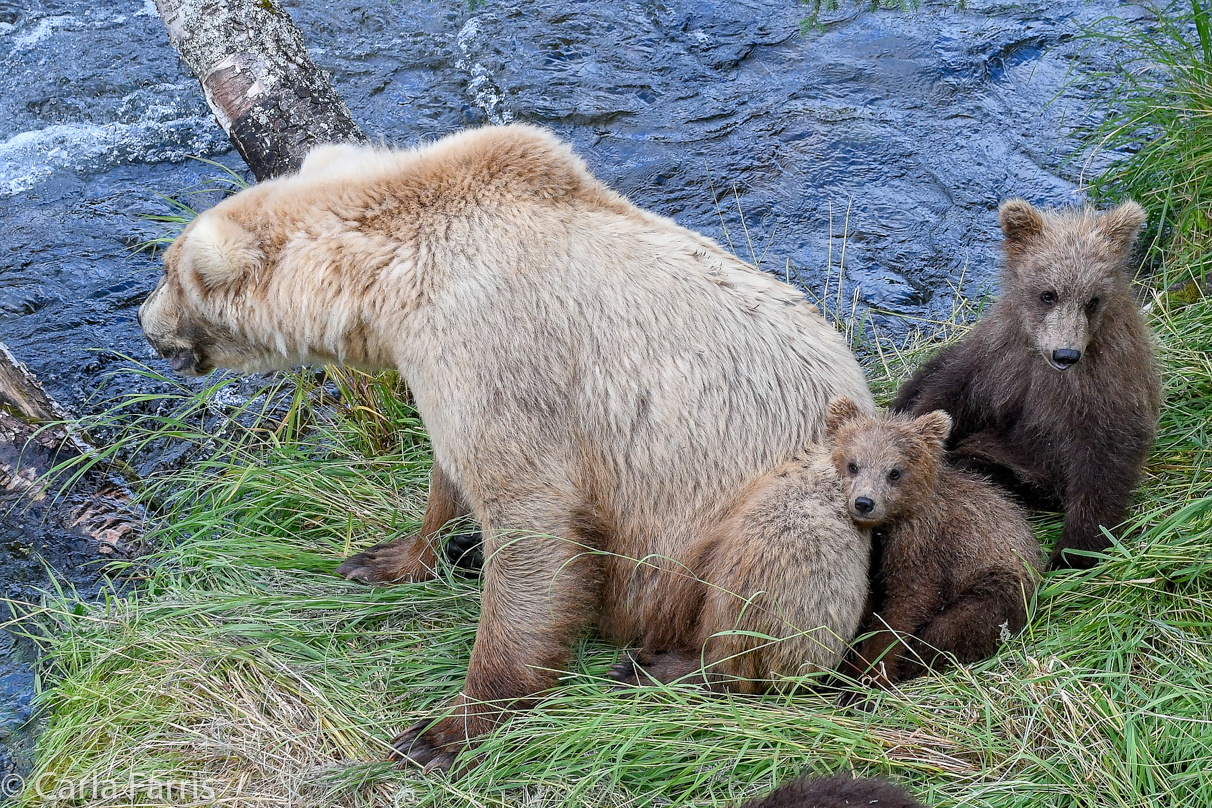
(1121,224)
(934,427)
(841,410)
(220,251)
(1020,222)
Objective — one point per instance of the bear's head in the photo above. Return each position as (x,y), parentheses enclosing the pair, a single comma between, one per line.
(887,463)
(190,317)
(1065,273)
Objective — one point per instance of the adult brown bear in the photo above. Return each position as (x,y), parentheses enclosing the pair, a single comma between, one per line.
(599,383)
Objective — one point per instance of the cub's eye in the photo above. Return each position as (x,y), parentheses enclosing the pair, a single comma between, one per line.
(894,475)
(1048,298)
(1092,306)
(852,467)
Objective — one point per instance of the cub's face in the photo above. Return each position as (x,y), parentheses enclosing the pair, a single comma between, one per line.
(1064,271)
(887,464)
(189,317)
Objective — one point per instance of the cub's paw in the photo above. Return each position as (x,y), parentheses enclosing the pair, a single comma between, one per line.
(644,667)
(1063,558)
(861,700)
(398,561)
(624,672)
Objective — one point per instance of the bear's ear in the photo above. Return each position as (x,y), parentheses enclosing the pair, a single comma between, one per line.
(220,251)
(1121,224)
(841,410)
(1020,222)
(934,427)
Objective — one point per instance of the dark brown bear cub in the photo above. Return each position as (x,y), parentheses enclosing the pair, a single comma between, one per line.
(836,791)
(1054,394)
(954,562)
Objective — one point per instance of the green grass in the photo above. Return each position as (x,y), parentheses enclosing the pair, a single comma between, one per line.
(1157,107)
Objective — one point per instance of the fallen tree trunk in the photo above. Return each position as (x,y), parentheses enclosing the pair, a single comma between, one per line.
(267,94)
(21,393)
(33,439)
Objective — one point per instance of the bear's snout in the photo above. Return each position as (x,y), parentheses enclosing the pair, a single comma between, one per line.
(1064,358)
(864,505)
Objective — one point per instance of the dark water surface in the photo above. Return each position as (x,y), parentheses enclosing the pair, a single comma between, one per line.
(915,124)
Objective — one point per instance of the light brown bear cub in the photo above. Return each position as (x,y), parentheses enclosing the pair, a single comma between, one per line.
(776,590)
(954,561)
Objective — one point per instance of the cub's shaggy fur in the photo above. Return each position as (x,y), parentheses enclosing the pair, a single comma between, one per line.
(955,561)
(599,383)
(1054,393)
(776,590)
(836,791)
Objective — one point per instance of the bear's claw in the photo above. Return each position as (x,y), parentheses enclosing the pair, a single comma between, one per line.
(417,746)
(387,563)
(624,672)
(646,668)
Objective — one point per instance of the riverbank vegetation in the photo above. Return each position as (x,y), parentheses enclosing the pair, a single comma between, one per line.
(240,671)
(1157,110)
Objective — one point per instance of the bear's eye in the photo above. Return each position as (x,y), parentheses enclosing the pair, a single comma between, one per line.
(894,475)
(1092,306)
(852,467)
(1048,298)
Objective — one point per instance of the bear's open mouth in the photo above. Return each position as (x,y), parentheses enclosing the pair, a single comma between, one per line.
(182,361)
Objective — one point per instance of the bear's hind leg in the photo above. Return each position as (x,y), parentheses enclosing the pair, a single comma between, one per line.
(646,667)
(409,558)
(971,627)
(541,586)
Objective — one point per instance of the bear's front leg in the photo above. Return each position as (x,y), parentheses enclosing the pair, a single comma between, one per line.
(539,591)
(882,655)
(410,558)
(1085,516)
(1098,489)
(1009,467)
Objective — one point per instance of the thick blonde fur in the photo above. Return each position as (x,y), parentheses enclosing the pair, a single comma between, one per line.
(777,590)
(598,382)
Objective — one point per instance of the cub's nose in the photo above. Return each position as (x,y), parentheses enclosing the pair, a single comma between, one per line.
(864,504)
(1066,356)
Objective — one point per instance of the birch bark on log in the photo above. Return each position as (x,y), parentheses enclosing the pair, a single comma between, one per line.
(265,91)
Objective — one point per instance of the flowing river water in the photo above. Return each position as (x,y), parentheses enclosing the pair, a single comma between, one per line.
(900,129)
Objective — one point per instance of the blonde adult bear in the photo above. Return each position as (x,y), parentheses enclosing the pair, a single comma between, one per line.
(599,383)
